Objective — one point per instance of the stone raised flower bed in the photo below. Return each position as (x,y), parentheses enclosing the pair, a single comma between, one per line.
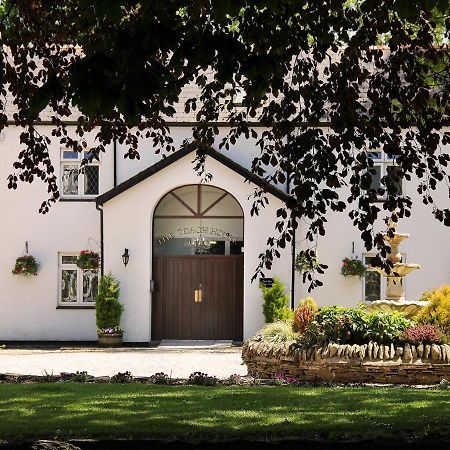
(368,363)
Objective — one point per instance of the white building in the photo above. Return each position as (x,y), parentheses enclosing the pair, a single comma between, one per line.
(158,210)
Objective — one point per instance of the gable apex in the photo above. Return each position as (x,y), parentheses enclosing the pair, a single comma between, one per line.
(167,161)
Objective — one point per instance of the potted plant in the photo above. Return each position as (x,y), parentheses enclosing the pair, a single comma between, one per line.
(26,265)
(108,312)
(353,267)
(88,260)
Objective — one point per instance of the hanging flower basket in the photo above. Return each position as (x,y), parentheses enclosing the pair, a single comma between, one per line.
(26,265)
(302,264)
(352,267)
(88,260)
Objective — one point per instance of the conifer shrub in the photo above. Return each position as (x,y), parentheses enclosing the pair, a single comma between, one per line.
(275,302)
(304,314)
(108,309)
(437,312)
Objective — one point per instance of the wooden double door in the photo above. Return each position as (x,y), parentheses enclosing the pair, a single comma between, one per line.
(198,297)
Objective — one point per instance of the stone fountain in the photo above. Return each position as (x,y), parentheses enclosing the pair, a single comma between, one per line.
(395,293)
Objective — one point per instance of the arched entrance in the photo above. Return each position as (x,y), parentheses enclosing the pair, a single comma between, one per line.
(198,265)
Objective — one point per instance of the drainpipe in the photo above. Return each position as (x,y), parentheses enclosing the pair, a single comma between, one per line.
(288,189)
(102,247)
(115,162)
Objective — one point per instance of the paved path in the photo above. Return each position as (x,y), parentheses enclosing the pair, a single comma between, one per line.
(179,362)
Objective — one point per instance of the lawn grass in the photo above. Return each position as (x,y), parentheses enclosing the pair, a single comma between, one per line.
(71,410)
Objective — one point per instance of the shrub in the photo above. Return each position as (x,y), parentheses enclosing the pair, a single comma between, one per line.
(275,306)
(108,309)
(122,377)
(235,379)
(202,379)
(79,377)
(353,326)
(423,333)
(385,326)
(279,331)
(304,314)
(437,312)
(160,378)
(335,324)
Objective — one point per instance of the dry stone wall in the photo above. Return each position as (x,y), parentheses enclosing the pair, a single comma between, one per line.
(368,363)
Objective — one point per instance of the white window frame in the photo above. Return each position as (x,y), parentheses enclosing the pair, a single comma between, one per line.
(65,161)
(72,266)
(383,285)
(384,162)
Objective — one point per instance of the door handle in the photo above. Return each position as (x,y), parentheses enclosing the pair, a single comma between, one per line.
(196,296)
(200,296)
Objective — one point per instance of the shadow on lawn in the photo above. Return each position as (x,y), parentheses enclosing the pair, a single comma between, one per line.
(70,411)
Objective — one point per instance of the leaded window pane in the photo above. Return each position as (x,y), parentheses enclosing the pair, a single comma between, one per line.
(68,286)
(91,180)
(376,178)
(393,181)
(70,179)
(372,284)
(90,285)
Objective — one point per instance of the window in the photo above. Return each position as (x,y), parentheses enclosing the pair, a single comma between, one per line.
(384,166)
(372,287)
(76,183)
(77,287)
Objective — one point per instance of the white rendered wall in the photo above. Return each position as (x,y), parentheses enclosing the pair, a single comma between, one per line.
(428,245)
(29,304)
(243,152)
(128,224)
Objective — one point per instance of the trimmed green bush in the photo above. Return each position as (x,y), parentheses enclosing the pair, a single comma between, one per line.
(385,326)
(354,326)
(275,306)
(108,309)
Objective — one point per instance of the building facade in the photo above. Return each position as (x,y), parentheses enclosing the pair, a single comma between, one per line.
(193,247)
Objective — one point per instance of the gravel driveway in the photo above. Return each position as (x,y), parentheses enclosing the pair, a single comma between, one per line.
(179,362)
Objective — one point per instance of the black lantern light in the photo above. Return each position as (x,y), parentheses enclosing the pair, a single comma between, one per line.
(125,257)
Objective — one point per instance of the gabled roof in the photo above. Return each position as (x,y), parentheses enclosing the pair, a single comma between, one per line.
(160,165)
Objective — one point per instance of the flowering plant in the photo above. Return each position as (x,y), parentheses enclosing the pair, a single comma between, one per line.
(305,264)
(88,260)
(352,267)
(110,330)
(26,265)
(423,333)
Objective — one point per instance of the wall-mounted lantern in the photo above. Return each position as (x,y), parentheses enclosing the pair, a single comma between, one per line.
(125,257)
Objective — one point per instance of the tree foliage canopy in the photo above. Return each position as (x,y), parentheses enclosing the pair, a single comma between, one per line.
(312,73)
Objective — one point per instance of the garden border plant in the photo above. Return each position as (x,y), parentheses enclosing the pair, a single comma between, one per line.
(357,337)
